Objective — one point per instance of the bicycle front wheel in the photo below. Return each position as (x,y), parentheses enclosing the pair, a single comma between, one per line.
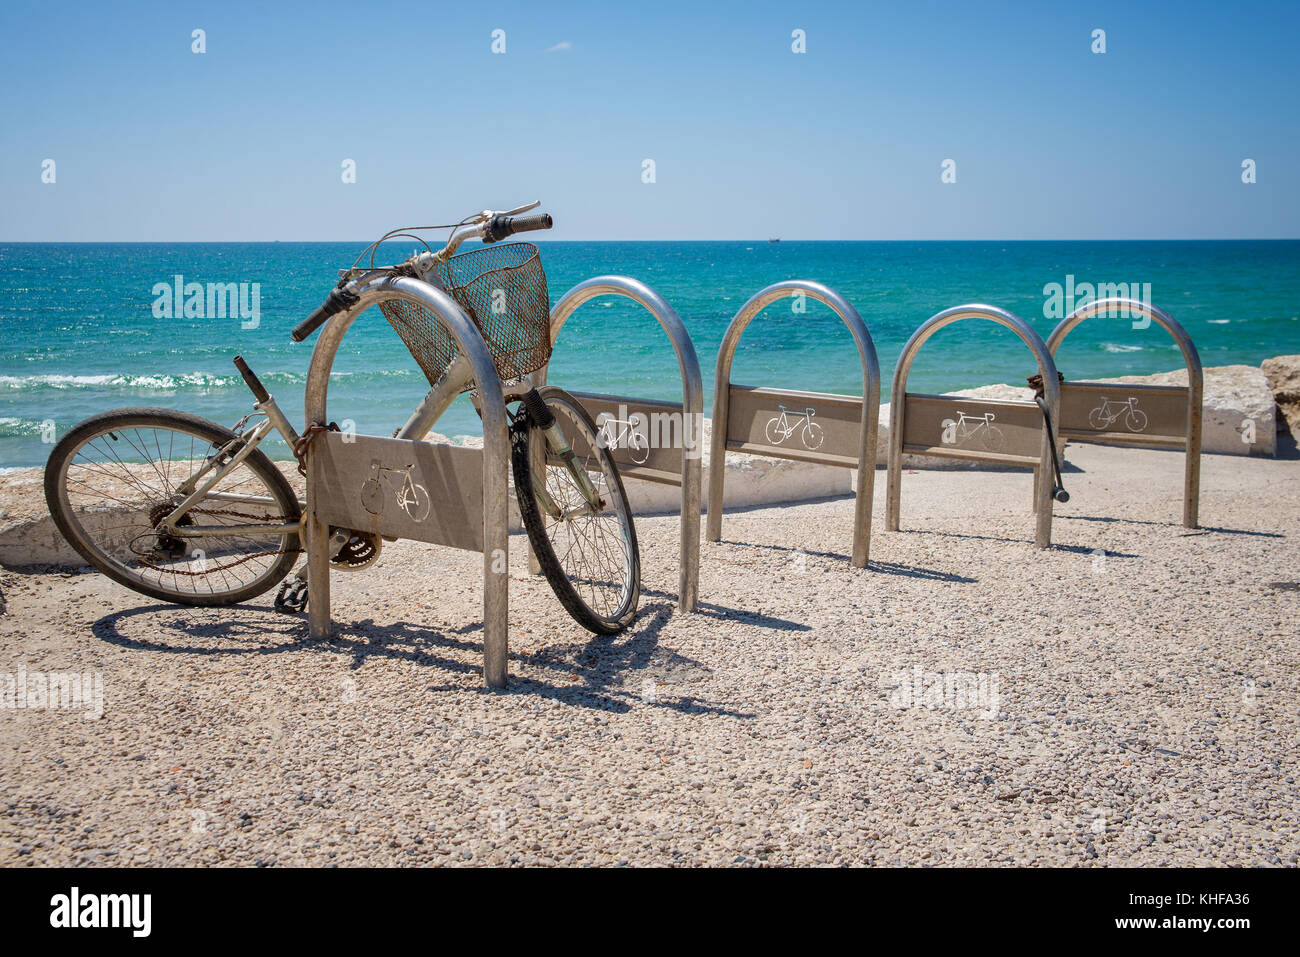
(589,556)
(111,481)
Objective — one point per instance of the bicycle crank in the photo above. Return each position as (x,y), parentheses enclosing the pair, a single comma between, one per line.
(355,550)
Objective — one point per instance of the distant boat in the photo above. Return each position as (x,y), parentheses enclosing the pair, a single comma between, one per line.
(775,240)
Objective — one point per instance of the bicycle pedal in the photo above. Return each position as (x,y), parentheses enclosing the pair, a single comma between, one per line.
(292,597)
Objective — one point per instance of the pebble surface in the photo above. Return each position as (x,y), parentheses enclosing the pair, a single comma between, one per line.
(1131,697)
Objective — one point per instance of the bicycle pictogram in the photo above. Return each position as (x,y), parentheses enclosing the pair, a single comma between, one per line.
(781,427)
(1135,420)
(411,497)
(621,433)
(957,431)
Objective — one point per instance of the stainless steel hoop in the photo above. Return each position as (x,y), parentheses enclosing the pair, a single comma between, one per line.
(864,486)
(1195,384)
(692,406)
(1051,392)
(495,460)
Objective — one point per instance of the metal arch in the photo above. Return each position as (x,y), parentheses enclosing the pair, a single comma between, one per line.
(866,478)
(1051,391)
(495,461)
(1195,384)
(692,406)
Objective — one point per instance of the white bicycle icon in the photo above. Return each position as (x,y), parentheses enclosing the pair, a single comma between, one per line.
(957,431)
(412,498)
(781,427)
(1106,413)
(622,433)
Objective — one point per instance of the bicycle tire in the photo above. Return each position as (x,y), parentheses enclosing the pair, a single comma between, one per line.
(120,420)
(562,406)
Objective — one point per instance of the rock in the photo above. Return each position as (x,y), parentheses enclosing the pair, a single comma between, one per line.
(1238,403)
(1283,374)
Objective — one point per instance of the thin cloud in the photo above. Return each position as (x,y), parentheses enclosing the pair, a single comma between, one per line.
(564,46)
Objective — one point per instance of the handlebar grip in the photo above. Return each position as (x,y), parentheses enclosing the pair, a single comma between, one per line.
(499,227)
(251,380)
(335,302)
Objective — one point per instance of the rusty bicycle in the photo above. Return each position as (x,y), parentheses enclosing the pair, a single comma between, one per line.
(180,508)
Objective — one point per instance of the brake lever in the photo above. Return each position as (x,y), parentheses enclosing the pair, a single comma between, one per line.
(521,209)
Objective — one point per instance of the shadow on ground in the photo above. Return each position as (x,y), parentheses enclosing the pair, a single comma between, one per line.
(590,674)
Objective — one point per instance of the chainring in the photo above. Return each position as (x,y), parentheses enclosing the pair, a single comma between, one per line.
(361,551)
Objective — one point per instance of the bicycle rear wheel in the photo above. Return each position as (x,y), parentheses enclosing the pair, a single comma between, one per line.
(590,557)
(111,481)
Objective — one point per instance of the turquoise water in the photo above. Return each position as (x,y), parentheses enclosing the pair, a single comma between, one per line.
(78,333)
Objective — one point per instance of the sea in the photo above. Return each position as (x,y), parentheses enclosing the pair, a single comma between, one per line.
(88,327)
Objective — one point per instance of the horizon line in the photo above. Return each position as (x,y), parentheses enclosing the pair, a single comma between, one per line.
(766,241)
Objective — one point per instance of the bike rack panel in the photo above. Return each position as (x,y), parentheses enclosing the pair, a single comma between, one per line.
(669,468)
(322,498)
(837,430)
(641,435)
(1148,416)
(938,425)
(399,488)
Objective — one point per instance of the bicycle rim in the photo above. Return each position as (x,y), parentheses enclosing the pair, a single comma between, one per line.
(590,559)
(112,480)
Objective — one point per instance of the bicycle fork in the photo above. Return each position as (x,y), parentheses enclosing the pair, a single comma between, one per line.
(543,418)
(459,377)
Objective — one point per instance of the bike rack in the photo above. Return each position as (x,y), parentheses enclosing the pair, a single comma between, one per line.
(662,465)
(916,420)
(849,439)
(330,462)
(1172,415)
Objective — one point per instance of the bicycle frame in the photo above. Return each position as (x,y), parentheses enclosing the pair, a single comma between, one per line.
(274,420)
(458,377)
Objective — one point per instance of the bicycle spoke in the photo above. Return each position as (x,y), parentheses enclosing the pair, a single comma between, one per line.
(119,491)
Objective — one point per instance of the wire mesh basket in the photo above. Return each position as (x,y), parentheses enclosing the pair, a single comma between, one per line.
(503,290)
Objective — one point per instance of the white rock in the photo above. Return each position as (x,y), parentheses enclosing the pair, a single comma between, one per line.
(1283,374)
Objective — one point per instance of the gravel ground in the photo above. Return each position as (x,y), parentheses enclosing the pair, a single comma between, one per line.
(1132,707)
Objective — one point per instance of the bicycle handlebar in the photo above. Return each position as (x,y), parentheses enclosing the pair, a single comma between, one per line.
(487,226)
(335,302)
(501,226)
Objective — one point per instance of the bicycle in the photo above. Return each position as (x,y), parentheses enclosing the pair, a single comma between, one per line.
(621,433)
(992,438)
(412,498)
(1109,412)
(135,491)
(779,428)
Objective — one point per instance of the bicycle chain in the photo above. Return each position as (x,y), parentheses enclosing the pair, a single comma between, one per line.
(239,561)
(144,562)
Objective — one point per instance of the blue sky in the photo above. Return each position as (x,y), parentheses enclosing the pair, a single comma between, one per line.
(245,142)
